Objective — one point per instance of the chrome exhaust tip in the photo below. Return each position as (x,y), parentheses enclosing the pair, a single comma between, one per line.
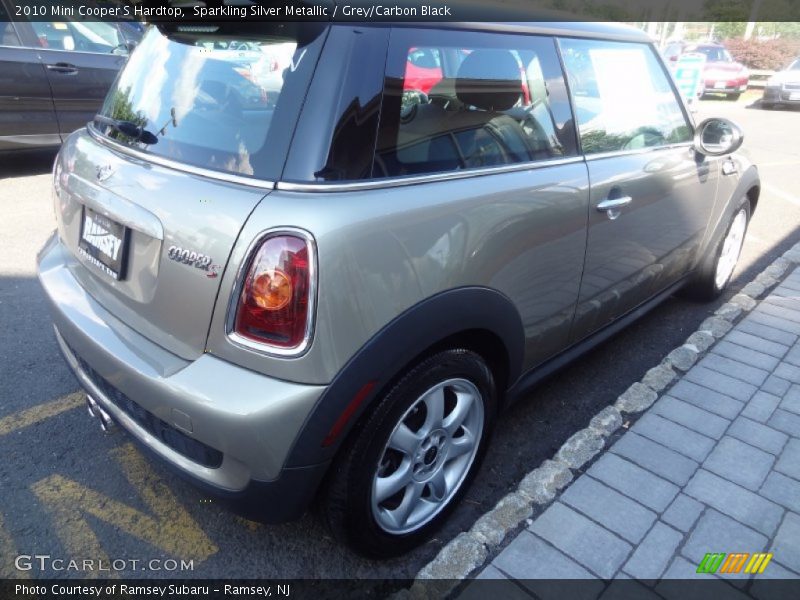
(99,413)
(91,406)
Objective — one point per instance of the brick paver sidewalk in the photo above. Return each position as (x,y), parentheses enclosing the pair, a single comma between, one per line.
(713,466)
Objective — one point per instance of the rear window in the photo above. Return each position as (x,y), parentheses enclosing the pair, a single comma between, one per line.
(712,53)
(226,102)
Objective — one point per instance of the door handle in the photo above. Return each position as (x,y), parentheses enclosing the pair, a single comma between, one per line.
(64,68)
(613,206)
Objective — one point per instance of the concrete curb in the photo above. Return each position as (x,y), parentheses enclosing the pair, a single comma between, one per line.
(469,550)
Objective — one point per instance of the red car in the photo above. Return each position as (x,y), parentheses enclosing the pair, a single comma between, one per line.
(424,70)
(722,74)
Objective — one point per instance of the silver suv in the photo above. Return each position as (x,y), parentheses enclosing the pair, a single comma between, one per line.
(315,260)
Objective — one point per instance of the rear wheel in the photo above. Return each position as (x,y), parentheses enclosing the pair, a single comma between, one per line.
(715,271)
(412,459)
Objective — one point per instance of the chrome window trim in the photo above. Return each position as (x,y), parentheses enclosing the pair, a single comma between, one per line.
(76,51)
(178,166)
(33,139)
(264,348)
(647,150)
(391,182)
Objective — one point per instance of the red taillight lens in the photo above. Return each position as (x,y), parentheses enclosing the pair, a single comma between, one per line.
(275,301)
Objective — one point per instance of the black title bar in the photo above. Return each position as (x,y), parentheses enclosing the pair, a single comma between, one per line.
(192,11)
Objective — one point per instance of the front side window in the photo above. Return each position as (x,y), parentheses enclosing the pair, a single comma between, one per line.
(467,100)
(622,96)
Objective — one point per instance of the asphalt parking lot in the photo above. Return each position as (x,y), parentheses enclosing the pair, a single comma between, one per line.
(69,491)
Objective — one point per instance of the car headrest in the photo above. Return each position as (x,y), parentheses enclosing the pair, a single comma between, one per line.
(489,79)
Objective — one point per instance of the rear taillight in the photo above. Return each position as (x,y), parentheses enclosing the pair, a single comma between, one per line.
(276,299)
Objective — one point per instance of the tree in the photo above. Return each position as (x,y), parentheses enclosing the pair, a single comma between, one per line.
(725,11)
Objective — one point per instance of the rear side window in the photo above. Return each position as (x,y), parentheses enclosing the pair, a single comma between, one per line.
(623,97)
(467,100)
(227,101)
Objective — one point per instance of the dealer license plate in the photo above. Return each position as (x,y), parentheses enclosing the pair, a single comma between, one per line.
(103,242)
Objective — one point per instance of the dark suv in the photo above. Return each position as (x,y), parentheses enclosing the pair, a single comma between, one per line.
(54,77)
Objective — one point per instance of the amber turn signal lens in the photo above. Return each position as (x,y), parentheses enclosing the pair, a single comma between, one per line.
(277,293)
(272,290)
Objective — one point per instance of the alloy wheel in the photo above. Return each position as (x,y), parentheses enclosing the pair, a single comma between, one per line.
(731,248)
(427,456)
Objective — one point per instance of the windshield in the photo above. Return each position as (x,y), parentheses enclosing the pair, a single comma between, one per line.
(795,66)
(211,102)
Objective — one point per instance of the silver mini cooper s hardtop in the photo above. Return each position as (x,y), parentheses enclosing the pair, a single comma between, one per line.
(300,260)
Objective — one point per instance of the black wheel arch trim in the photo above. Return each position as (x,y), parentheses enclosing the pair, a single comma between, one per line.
(395,347)
(748,181)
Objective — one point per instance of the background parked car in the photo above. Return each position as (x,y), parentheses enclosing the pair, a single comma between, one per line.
(722,74)
(783,87)
(54,77)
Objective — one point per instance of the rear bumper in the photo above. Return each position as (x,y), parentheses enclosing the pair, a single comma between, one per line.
(727,87)
(227,428)
(734,89)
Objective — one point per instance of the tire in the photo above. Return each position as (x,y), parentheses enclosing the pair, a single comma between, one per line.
(714,272)
(373,522)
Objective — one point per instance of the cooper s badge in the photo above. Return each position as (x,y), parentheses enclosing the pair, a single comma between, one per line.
(195,259)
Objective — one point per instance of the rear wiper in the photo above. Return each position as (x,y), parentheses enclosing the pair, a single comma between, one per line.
(128,128)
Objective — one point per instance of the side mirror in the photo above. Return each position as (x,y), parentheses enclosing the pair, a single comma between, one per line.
(715,137)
